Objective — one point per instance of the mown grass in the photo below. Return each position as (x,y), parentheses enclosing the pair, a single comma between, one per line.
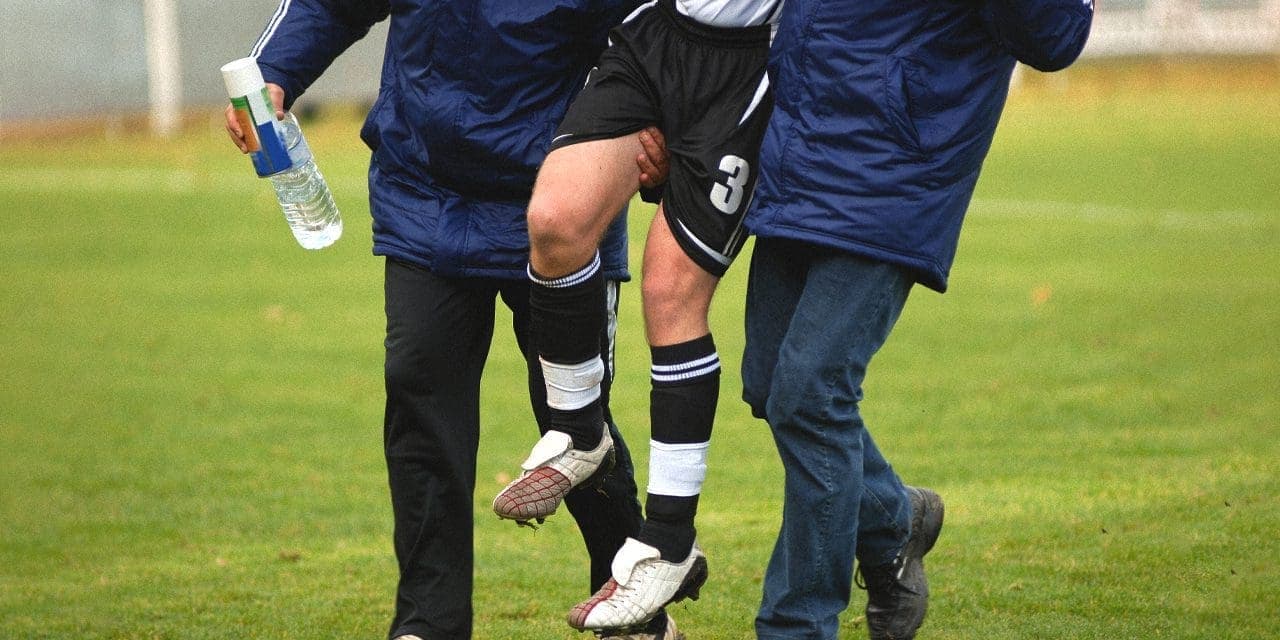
(190,407)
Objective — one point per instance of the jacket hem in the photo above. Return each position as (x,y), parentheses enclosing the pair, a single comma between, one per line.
(924,270)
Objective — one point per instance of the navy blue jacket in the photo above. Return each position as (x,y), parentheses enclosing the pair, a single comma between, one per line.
(885,110)
(470,97)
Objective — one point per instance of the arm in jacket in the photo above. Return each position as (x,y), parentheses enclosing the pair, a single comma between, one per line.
(1045,34)
(305,36)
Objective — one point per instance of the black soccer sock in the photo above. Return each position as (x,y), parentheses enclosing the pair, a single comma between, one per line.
(668,525)
(682,407)
(686,389)
(568,316)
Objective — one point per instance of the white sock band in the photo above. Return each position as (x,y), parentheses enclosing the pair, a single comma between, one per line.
(677,469)
(575,278)
(572,386)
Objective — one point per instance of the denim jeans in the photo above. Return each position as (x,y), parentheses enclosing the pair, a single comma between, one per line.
(814,319)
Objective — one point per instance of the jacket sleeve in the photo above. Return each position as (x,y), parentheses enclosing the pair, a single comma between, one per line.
(305,36)
(1046,34)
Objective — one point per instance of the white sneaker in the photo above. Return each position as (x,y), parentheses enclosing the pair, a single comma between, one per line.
(552,469)
(408,637)
(667,632)
(642,584)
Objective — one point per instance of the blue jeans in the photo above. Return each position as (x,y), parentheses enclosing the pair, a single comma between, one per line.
(814,318)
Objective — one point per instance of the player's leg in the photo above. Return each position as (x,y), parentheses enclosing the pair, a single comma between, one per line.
(689,248)
(663,563)
(685,378)
(607,514)
(580,190)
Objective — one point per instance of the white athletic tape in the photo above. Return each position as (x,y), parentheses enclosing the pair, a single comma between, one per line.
(677,469)
(572,386)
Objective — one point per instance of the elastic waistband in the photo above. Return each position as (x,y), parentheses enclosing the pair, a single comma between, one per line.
(725,36)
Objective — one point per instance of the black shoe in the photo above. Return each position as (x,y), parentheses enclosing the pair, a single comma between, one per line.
(897,592)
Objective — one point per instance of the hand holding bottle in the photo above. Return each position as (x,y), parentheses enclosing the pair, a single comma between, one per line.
(234,128)
(260,127)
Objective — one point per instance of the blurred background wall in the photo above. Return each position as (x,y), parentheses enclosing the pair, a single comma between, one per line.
(68,59)
(63,59)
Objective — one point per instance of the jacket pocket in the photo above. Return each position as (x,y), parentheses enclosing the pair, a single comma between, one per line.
(897,104)
(369,131)
(946,108)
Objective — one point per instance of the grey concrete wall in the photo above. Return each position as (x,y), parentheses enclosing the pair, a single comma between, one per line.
(61,58)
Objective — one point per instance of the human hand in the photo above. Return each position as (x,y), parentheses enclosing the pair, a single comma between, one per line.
(655,162)
(234,126)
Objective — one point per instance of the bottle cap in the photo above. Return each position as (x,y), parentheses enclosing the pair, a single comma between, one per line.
(242,77)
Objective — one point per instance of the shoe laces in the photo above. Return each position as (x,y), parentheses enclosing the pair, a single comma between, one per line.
(888,575)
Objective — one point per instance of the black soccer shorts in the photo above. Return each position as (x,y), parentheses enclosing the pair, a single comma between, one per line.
(706,88)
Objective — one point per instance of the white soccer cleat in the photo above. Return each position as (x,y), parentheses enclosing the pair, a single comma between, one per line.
(551,471)
(642,584)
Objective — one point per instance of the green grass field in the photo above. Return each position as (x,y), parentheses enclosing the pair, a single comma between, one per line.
(190,413)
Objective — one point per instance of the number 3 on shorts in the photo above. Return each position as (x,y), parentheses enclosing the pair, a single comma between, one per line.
(727,196)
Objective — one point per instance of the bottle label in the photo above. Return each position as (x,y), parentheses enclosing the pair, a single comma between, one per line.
(261,133)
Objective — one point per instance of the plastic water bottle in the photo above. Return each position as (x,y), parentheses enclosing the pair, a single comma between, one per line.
(280,152)
(303,194)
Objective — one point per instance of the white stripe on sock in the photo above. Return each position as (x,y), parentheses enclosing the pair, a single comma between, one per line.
(685,370)
(566,281)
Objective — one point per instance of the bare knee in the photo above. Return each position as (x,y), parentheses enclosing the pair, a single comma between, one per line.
(580,190)
(561,237)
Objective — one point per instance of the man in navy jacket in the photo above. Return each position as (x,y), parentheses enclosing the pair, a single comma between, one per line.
(884,111)
(470,96)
